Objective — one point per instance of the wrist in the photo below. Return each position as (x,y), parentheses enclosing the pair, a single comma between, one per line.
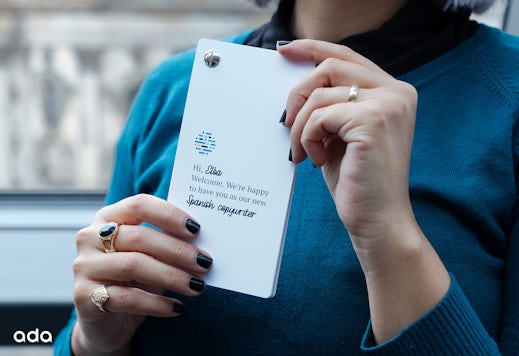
(405,277)
(383,244)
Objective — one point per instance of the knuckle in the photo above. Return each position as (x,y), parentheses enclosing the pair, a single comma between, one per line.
(77,297)
(78,265)
(318,94)
(348,53)
(79,294)
(401,106)
(329,62)
(326,69)
(408,89)
(394,109)
(101,212)
(378,110)
(413,101)
(408,95)
(380,118)
(297,94)
(378,114)
(137,203)
(318,116)
(84,236)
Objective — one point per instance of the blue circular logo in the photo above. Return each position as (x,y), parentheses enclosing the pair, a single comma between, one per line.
(205,143)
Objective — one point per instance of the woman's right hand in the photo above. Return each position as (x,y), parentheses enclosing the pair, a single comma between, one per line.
(146,263)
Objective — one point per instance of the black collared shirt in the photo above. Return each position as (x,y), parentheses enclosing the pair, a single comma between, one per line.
(418,33)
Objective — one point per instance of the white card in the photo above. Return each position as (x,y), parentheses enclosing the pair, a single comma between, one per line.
(231,171)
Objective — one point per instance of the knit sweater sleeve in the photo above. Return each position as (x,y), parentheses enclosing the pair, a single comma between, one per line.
(510,316)
(451,328)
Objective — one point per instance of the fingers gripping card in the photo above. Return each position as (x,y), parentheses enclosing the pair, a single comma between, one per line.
(231,170)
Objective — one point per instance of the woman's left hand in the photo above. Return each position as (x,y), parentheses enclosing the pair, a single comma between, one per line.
(363,145)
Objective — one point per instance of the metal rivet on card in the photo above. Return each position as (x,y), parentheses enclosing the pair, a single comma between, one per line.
(212,58)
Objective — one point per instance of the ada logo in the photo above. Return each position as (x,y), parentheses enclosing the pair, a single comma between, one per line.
(33,337)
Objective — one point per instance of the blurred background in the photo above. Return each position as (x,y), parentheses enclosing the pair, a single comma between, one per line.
(69,70)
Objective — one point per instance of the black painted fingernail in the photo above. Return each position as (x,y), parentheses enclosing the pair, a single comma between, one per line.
(192,226)
(196,284)
(179,307)
(203,260)
(282,43)
(290,155)
(283,117)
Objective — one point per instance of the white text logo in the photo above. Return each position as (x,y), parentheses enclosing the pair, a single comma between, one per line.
(34,336)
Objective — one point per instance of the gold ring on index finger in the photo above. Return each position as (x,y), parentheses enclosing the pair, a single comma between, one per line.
(107,234)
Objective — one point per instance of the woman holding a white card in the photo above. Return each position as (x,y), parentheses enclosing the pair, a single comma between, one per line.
(403,236)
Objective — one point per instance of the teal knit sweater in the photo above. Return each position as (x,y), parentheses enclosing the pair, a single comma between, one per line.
(463,186)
